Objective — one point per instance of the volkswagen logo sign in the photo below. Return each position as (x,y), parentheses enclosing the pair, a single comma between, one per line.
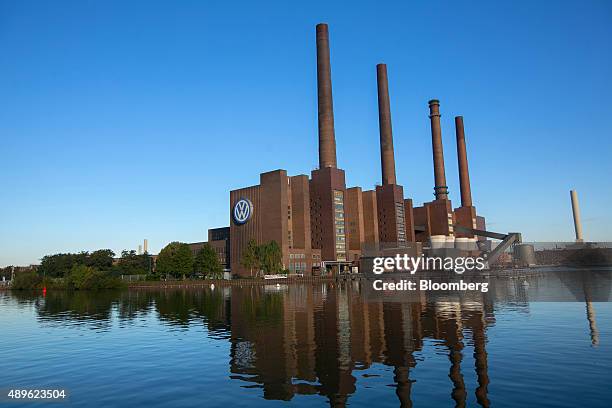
(243,209)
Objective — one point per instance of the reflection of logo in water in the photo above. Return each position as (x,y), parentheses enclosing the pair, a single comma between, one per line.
(242,211)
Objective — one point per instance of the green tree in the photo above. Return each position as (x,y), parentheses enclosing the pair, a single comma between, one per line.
(271,257)
(26,280)
(250,257)
(56,266)
(78,276)
(175,259)
(207,262)
(131,263)
(101,259)
(59,265)
(83,277)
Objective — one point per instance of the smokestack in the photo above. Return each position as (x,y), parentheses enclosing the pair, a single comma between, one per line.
(440,189)
(387,156)
(146,245)
(576,211)
(139,249)
(464,175)
(327,138)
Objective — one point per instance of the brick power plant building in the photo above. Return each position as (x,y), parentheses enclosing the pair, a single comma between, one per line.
(318,219)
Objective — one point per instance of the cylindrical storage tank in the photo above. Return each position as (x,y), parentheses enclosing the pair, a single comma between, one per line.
(524,255)
(450,241)
(437,241)
(462,243)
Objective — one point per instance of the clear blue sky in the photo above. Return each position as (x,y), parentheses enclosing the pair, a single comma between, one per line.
(129,120)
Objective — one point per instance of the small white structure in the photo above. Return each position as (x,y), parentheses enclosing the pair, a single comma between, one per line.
(275,276)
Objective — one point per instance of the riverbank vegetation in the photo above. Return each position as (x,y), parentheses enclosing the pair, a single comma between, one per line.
(101,270)
(26,281)
(83,277)
(176,261)
(266,258)
(130,263)
(80,277)
(206,263)
(81,271)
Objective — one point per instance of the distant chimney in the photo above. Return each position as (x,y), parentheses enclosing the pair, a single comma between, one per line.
(576,212)
(440,189)
(387,156)
(139,249)
(146,245)
(327,138)
(464,175)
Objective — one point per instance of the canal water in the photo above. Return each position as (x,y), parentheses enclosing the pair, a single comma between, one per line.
(539,341)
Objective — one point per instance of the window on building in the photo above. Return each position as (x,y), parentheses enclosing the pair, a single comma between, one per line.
(340,225)
(400,223)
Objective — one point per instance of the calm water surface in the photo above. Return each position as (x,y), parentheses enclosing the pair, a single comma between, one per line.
(315,345)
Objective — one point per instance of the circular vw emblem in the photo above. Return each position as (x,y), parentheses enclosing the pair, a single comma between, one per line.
(242,211)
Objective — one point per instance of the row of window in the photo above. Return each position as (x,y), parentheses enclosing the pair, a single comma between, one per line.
(298,266)
(339,222)
(400,222)
(301,266)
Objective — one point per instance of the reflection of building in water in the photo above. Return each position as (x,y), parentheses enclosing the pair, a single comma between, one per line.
(320,339)
(590,310)
(592,323)
(304,339)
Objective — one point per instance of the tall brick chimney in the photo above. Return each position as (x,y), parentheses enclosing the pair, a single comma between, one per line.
(327,138)
(464,175)
(440,189)
(387,156)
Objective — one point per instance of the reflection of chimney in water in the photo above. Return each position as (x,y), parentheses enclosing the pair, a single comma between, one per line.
(458,394)
(592,323)
(401,376)
(590,311)
(482,367)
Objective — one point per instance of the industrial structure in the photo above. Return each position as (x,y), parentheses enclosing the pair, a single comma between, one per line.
(322,226)
(576,213)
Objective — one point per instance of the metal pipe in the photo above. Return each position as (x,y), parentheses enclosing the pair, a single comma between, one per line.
(440,189)
(327,139)
(387,156)
(464,175)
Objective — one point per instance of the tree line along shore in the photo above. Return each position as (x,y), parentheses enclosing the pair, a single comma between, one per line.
(100,269)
